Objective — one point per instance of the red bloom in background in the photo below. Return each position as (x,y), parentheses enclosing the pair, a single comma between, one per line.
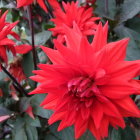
(89,85)
(73,13)
(90,1)
(5,43)
(53,3)
(16,70)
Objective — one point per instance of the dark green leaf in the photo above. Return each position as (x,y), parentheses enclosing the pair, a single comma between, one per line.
(128,134)
(41,38)
(65,134)
(133,50)
(87,136)
(18,131)
(103,11)
(36,100)
(51,137)
(31,132)
(134,24)
(24,103)
(33,122)
(4,111)
(115,134)
(129,9)
(20,135)
(28,66)
(123,134)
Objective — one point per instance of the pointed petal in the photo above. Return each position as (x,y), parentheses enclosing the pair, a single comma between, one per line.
(23,49)
(97,43)
(116,51)
(42,5)
(127,105)
(54,55)
(21,3)
(97,114)
(124,69)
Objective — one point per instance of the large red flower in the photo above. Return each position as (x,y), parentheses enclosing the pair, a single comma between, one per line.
(53,3)
(89,85)
(5,42)
(73,13)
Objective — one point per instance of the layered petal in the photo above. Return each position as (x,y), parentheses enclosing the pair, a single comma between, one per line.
(89,84)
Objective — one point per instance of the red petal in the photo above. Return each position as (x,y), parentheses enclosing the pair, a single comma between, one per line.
(128,106)
(100,37)
(97,114)
(21,3)
(23,49)
(80,126)
(54,55)
(42,5)
(124,69)
(29,111)
(15,35)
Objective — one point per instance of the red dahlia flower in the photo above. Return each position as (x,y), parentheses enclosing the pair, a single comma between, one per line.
(73,13)
(89,85)
(15,68)
(90,1)
(53,3)
(5,43)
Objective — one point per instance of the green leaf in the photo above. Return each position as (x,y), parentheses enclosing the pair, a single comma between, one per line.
(32,122)
(20,135)
(123,134)
(4,111)
(65,134)
(133,50)
(128,134)
(115,134)
(35,101)
(101,10)
(19,124)
(18,132)
(129,9)
(2,75)
(28,66)
(51,137)
(31,132)
(87,136)
(24,103)
(5,87)
(27,63)
(41,38)
(134,24)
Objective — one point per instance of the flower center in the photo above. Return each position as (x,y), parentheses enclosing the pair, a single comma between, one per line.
(82,87)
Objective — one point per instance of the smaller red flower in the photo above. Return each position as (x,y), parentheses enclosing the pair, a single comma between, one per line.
(90,1)
(16,70)
(1,92)
(29,111)
(23,49)
(73,13)
(5,42)
(13,93)
(53,3)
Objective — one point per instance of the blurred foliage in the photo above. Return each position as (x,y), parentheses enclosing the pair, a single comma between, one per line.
(124,21)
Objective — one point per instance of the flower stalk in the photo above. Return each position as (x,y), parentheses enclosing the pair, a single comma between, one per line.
(29,12)
(16,83)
